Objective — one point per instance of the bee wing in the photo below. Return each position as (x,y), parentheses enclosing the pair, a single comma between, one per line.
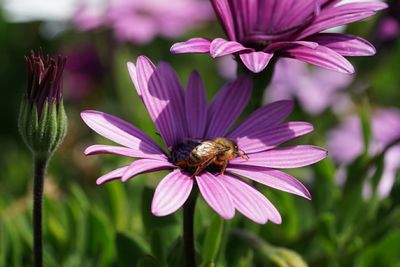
(209,149)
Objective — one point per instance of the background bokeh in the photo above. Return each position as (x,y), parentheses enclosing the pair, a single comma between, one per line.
(346,223)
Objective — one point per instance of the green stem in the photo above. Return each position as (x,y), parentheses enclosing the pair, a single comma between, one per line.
(40,166)
(188,231)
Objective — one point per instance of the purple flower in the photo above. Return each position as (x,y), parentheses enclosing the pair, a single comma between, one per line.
(141,21)
(44,80)
(345,144)
(42,121)
(259,30)
(184,120)
(316,89)
(388,28)
(82,71)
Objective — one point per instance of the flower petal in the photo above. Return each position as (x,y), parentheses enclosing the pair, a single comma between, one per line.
(249,201)
(340,15)
(256,61)
(133,75)
(220,47)
(275,46)
(145,165)
(321,56)
(273,136)
(163,98)
(344,44)
(272,178)
(263,118)
(287,157)
(216,195)
(196,106)
(171,193)
(176,95)
(194,45)
(120,131)
(224,14)
(364,5)
(115,174)
(122,151)
(227,105)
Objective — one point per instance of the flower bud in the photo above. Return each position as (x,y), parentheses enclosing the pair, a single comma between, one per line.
(285,257)
(42,119)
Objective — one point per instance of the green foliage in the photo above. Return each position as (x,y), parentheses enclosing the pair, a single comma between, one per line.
(130,249)
(212,241)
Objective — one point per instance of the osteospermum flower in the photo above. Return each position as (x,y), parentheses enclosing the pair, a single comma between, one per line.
(316,89)
(259,30)
(140,21)
(346,144)
(183,118)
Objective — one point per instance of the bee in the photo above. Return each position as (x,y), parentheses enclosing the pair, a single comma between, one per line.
(197,155)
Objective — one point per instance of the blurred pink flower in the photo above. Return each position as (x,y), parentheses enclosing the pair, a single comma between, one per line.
(82,71)
(141,21)
(345,144)
(184,120)
(259,30)
(388,29)
(316,89)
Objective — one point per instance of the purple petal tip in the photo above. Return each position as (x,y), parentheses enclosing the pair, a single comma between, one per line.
(99,182)
(174,48)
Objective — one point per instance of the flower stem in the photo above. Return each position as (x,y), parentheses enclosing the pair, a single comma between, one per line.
(40,166)
(188,232)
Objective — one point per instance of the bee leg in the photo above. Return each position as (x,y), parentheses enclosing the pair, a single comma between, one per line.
(243,155)
(202,166)
(225,164)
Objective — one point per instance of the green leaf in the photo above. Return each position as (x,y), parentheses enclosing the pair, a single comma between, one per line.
(212,240)
(384,253)
(376,178)
(101,237)
(326,189)
(4,243)
(365,118)
(56,221)
(129,249)
(78,210)
(119,205)
(277,256)
(175,253)
(148,261)
(235,250)
(16,247)
(157,244)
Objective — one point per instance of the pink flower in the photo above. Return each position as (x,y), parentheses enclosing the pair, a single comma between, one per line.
(82,72)
(316,89)
(183,117)
(141,21)
(346,143)
(259,30)
(388,29)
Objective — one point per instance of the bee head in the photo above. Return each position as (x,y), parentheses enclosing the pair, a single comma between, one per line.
(235,147)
